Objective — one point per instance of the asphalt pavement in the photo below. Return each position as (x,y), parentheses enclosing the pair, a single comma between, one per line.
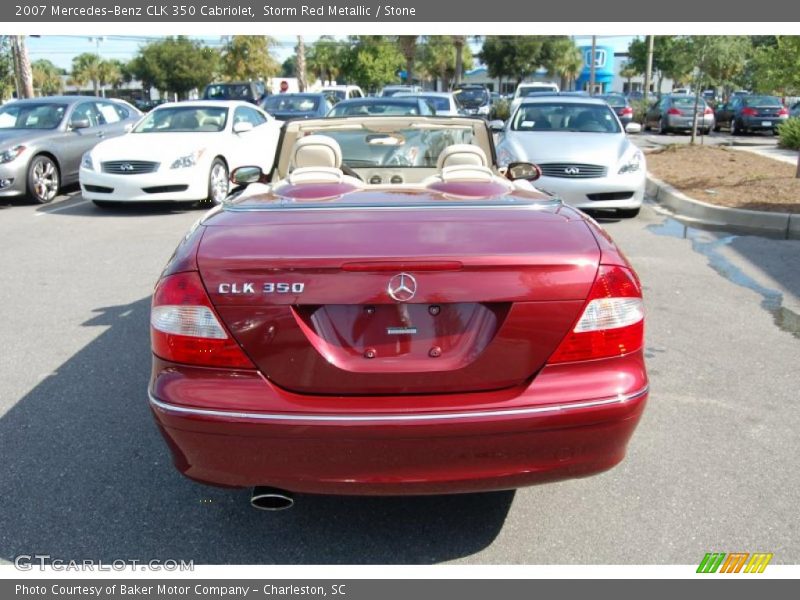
(85,474)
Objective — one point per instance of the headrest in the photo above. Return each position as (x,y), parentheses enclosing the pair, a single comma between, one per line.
(316,151)
(462,154)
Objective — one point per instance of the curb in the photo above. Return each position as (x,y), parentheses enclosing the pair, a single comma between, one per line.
(786,225)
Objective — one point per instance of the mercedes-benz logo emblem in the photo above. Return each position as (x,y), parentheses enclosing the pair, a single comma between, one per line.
(572,170)
(402,287)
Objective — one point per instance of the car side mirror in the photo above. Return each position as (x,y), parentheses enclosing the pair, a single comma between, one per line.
(497,125)
(80,124)
(633,127)
(242,126)
(248,175)
(523,170)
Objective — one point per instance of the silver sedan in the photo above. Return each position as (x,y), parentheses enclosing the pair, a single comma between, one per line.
(42,140)
(582,149)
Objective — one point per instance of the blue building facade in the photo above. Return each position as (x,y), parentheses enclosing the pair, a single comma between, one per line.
(603,69)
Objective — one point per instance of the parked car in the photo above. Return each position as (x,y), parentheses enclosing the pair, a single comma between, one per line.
(382,106)
(298,106)
(674,113)
(581,147)
(42,140)
(525,90)
(471,334)
(743,114)
(443,102)
(621,106)
(795,110)
(343,92)
(474,100)
(391,90)
(253,92)
(180,151)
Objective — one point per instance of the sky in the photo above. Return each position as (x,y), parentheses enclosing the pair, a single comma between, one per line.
(61,49)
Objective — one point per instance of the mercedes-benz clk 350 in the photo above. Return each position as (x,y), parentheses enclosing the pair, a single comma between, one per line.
(389,312)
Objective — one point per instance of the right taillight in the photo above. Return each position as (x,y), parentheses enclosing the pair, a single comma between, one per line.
(184,327)
(612,322)
(674,111)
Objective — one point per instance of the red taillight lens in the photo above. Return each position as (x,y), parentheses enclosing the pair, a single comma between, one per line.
(184,327)
(783,112)
(612,322)
(749,112)
(627,111)
(674,111)
(708,111)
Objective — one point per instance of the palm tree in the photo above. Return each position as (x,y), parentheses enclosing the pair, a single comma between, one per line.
(301,64)
(86,68)
(628,71)
(568,64)
(459,41)
(323,59)
(408,47)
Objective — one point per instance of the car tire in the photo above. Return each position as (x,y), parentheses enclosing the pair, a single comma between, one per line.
(662,129)
(734,128)
(218,184)
(717,127)
(628,213)
(43,179)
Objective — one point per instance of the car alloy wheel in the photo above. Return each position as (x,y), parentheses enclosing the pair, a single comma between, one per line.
(43,180)
(217,182)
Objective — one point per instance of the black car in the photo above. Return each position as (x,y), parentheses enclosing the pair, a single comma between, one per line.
(393,105)
(248,91)
(473,99)
(286,107)
(743,114)
(621,105)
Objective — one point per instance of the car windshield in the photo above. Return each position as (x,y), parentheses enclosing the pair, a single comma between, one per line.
(762,101)
(615,99)
(401,147)
(31,116)
(439,103)
(338,94)
(687,102)
(524,92)
(298,103)
(469,97)
(351,109)
(563,116)
(228,91)
(389,92)
(184,119)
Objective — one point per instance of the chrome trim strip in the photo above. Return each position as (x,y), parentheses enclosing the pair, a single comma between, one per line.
(174,408)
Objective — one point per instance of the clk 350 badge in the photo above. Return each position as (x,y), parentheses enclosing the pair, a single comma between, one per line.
(267,288)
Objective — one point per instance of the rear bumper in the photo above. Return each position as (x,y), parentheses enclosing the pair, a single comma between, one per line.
(762,123)
(687,122)
(528,438)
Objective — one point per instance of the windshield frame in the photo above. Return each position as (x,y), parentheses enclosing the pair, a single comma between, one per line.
(139,127)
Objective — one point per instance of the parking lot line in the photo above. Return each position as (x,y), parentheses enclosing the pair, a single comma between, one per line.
(39,213)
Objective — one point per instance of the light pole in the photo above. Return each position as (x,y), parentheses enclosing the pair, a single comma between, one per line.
(97,40)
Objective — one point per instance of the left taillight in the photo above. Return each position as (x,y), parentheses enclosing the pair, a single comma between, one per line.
(627,111)
(184,327)
(783,112)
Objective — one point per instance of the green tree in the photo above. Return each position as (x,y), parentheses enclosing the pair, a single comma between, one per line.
(7,83)
(628,72)
(175,64)
(86,69)
(289,66)
(776,69)
(437,59)
(514,57)
(562,59)
(47,78)
(372,61)
(408,48)
(668,59)
(246,57)
(324,59)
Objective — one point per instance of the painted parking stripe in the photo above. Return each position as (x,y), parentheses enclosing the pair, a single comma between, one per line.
(39,213)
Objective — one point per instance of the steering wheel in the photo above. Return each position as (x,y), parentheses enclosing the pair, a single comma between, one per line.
(350,172)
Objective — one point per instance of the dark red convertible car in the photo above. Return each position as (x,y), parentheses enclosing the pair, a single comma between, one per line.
(387,312)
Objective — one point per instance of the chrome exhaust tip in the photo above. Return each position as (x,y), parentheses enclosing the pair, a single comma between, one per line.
(267,498)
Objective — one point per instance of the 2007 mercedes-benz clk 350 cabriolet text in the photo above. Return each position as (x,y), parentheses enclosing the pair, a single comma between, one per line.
(387,312)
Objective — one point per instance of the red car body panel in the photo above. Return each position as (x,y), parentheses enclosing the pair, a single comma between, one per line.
(467,402)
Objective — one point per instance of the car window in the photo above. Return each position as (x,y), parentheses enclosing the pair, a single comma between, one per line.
(245,114)
(374,108)
(86,111)
(562,116)
(187,119)
(31,116)
(294,103)
(762,101)
(109,113)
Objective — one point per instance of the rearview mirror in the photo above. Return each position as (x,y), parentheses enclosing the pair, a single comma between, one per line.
(497,125)
(633,127)
(523,170)
(80,124)
(242,126)
(248,175)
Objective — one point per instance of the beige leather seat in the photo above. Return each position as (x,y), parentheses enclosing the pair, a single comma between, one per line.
(464,162)
(318,159)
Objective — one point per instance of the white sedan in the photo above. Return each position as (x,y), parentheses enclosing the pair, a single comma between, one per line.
(180,151)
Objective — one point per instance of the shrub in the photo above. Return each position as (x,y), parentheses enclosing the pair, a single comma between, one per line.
(789,134)
(500,109)
(639,109)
